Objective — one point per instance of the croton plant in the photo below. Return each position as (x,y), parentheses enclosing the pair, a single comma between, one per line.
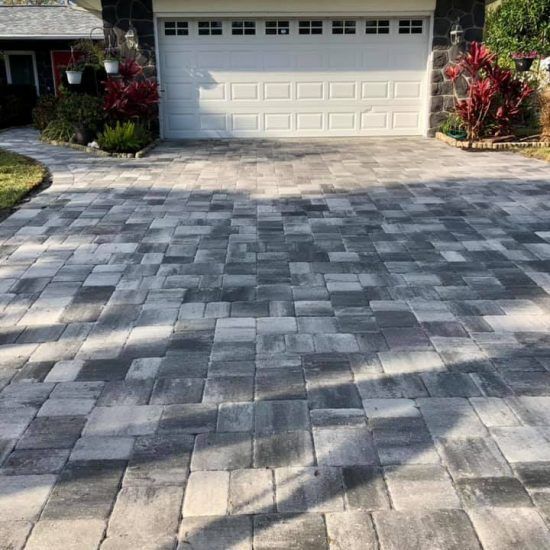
(495,96)
(131,96)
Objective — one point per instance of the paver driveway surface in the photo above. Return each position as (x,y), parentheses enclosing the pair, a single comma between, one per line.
(291,344)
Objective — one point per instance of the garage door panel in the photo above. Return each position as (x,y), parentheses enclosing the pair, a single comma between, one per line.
(278,91)
(244,91)
(407,89)
(213,121)
(249,122)
(342,90)
(223,86)
(278,122)
(309,90)
(309,121)
(209,91)
(375,90)
(341,121)
(374,121)
(405,119)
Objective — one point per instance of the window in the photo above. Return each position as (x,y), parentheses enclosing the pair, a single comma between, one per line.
(210,28)
(343,27)
(277,27)
(310,27)
(176,28)
(243,27)
(411,26)
(377,26)
(21,68)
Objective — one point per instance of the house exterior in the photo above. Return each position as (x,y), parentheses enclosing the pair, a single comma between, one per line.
(298,68)
(35,42)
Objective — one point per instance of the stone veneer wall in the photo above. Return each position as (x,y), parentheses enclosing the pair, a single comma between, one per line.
(471,16)
(117,15)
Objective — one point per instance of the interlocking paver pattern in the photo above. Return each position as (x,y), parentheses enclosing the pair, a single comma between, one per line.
(338,344)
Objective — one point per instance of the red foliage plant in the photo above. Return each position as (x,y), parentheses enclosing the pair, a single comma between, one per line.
(495,96)
(131,96)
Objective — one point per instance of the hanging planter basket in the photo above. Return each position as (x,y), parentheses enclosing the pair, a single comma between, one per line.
(111,66)
(523,64)
(74,77)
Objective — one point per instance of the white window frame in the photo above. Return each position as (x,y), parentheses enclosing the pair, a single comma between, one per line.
(280,24)
(9,53)
(411,27)
(239,25)
(378,27)
(348,28)
(210,27)
(306,27)
(183,26)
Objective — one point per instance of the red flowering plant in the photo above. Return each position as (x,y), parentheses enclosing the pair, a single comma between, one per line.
(495,98)
(132,96)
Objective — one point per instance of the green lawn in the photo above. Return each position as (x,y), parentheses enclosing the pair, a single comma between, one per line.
(18,175)
(542,154)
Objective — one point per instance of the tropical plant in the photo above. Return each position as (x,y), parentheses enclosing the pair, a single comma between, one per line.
(123,137)
(90,52)
(59,130)
(518,26)
(495,98)
(45,111)
(132,96)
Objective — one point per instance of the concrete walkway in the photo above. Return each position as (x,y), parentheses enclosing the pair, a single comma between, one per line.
(337,344)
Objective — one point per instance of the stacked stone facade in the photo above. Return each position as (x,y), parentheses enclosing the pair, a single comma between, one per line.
(470,14)
(118,14)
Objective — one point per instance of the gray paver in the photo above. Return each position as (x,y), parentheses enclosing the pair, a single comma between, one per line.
(426,486)
(351,531)
(418,530)
(334,328)
(508,528)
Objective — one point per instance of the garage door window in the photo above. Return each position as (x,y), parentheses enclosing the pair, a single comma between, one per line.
(176,28)
(343,27)
(310,27)
(377,26)
(241,28)
(210,28)
(277,27)
(411,26)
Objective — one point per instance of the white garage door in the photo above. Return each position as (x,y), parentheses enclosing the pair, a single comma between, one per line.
(292,77)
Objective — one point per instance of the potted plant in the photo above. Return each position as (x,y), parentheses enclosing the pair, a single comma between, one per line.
(524,60)
(111,62)
(453,127)
(74,72)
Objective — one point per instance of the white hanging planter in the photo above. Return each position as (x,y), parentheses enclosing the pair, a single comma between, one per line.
(111,66)
(74,77)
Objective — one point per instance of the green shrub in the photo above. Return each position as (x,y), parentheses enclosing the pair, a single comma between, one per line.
(59,130)
(126,137)
(44,112)
(518,26)
(82,111)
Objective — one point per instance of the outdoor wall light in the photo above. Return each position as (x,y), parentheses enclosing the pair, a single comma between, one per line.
(457,34)
(131,38)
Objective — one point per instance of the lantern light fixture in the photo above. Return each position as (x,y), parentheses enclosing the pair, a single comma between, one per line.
(131,38)
(457,34)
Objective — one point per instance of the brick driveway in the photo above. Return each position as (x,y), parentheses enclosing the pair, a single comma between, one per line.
(337,344)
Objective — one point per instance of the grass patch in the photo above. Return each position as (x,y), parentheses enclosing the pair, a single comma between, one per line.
(542,153)
(18,175)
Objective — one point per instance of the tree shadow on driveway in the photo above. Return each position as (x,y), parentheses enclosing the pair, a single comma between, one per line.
(321,358)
